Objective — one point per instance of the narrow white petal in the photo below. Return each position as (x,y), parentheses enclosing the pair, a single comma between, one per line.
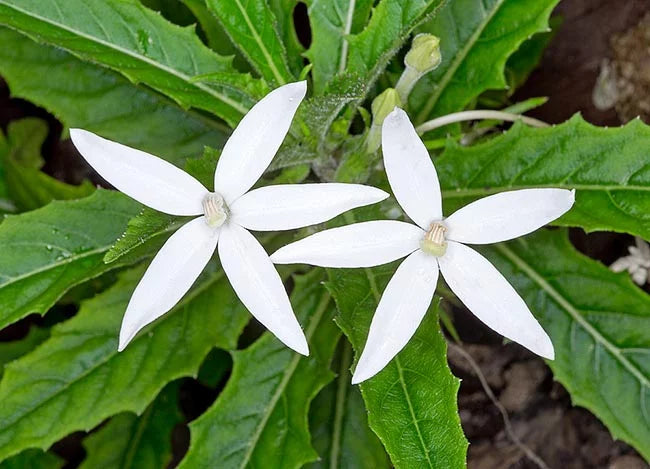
(399,313)
(359,245)
(487,294)
(410,170)
(507,215)
(169,276)
(258,285)
(144,177)
(255,141)
(289,206)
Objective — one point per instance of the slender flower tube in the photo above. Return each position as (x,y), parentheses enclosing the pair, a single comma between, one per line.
(433,244)
(223,216)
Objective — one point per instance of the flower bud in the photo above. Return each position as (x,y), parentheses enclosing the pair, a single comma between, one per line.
(424,55)
(383,105)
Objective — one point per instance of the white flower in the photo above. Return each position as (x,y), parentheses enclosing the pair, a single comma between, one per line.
(224,216)
(637,263)
(433,244)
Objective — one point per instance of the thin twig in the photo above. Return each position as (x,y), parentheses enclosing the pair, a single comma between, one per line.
(477,115)
(530,454)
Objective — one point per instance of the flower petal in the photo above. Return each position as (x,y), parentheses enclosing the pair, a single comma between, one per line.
(144,177)
(410,170)
(169,276)
(399,313)
(359,245)
(255,141)
(487,294)
(507,215)
(289,206)
(258,285)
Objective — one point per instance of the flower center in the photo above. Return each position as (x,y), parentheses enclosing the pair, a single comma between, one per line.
(215,209)
(434,240)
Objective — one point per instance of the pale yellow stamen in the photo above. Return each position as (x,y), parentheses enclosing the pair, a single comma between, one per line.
(434,240)
(215,209)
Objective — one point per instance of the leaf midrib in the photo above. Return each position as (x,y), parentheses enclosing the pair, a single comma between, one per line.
(375,291)
(460,193)
(288,373)
(140,424)
(54,265)
(458,60)
(573,313)
(225,99)
(339,409)
(260,43)
(346,32)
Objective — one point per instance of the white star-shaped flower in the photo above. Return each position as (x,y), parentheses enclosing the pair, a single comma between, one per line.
(224,216)
(433,244)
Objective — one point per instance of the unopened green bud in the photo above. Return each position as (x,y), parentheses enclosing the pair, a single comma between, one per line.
(384,104)
(424,55)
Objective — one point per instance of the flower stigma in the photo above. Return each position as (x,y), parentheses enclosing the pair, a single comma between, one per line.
(434,240)
(215,209)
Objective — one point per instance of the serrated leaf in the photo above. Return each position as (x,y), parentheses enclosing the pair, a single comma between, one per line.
(411,403)
(252,27)
(477,37)
(47,251)
(370,50)
(260,418)
(599,323)
(33,459)
(283,11)
(331,24)
(28,187)
(90,97)
(77,378)
(137,42)
(129,441)
(339,425)
(390,25)
(608,167)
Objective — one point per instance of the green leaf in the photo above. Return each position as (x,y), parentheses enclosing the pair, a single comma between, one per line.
(10,351)
(412,402)
(90,97)
(319,112)
(28,187)
(284,15)
(331,24)
(47,251)
(339,424)
(260,418)
(77,378)
(527,58)
(608,168)
(251,26)
(476,39)
(147,228)
(391,24)
(173,10)
(128,441)
(139,43)
(599,323)
(33,459)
